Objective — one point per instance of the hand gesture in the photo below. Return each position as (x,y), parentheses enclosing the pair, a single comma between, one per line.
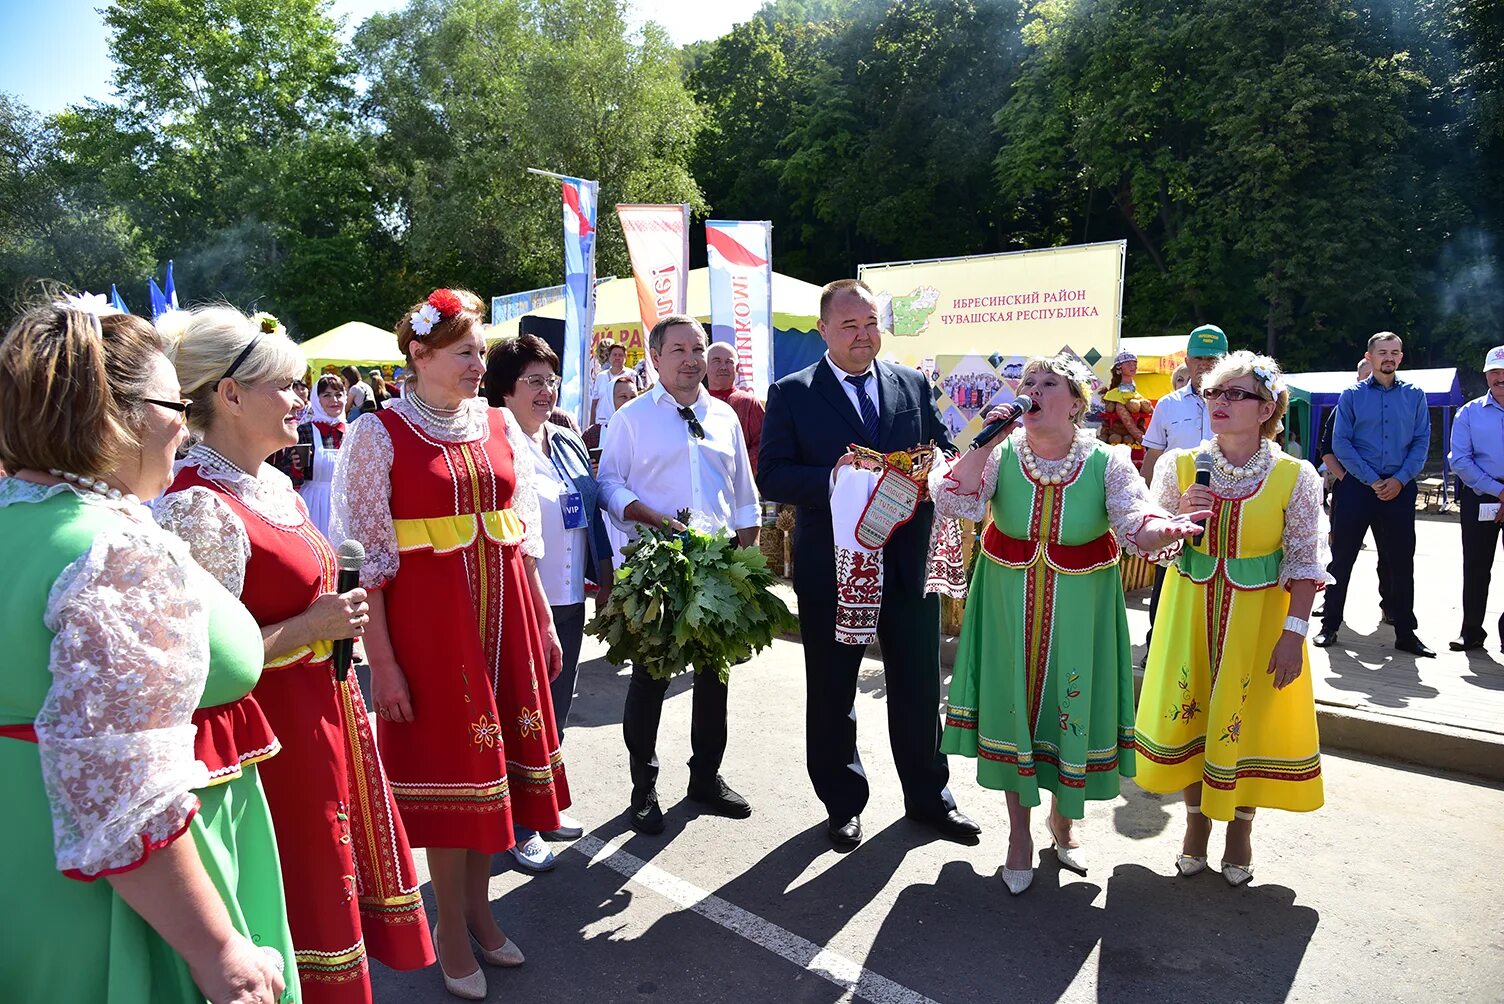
(334,616)
(1386,488)
(1285,661)
(1197,498)
(1187,524)
(242,974)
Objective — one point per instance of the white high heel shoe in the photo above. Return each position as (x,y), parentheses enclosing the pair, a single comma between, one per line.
(1190,864)
(1236,874)
(470,988)
(1073,858)
(1017,880)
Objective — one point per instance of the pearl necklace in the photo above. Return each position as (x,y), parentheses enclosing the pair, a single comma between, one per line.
(1253,467)
(95,485)
(428,411)
(1052,472)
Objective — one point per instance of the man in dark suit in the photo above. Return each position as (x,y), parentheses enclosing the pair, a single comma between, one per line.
(812,418)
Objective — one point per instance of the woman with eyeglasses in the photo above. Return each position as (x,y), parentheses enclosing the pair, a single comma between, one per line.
(462,645)
(139,855)
(351,887)
(522,374)
(1226,714)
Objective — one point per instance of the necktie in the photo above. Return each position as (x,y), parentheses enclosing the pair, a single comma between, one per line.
(867,408)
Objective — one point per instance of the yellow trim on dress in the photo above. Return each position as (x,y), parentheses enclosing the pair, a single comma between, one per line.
(447,534)
(322,651)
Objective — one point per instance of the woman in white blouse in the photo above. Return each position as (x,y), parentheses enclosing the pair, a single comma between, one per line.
(522,374)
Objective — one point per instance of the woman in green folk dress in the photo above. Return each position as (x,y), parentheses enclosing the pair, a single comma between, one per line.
(140,862)
(1042,693)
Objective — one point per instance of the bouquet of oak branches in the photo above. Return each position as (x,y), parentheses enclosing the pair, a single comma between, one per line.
(689,598)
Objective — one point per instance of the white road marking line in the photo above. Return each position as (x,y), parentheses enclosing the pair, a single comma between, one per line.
(843,972)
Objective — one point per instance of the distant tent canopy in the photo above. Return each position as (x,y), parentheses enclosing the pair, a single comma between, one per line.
(796,309)
(353,343)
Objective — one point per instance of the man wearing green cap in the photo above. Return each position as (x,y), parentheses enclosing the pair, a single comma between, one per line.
(1182,421)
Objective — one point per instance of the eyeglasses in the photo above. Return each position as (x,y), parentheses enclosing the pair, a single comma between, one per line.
(688,414)
(549,383)
(1232,395)
(183,407)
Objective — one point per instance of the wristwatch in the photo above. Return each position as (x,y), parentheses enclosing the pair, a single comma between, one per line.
(1297,625)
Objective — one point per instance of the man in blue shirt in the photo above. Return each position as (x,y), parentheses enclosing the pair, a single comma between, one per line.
(1478,459)
(1334,467)
(1381,435)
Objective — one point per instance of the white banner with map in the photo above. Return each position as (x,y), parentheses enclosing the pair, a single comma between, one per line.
(970,323)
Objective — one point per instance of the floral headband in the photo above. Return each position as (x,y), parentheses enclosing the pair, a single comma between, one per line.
(442,305)
(266,323)
(90,303)
(1272,383)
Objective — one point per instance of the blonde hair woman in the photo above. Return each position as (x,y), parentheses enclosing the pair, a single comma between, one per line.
(1042,693)
(351,889)
(1226,714)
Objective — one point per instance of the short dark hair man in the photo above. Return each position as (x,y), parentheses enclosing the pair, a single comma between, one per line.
(1381,435)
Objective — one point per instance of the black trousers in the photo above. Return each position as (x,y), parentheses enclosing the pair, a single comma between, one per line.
(1383,566)
(639,726)
(1479,539)
(569,621)
(908,628)
(1356,510)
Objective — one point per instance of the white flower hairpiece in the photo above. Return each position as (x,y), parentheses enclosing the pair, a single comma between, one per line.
(424,318)
(1266,377)
(90,303)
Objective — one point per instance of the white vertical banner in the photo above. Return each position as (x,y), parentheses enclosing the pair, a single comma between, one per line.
(740,253)
(579,295)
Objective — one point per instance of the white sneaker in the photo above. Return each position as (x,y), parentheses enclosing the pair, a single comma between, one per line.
(533,855)
(569,829)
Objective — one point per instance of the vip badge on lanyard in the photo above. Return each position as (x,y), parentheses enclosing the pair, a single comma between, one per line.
(571,504)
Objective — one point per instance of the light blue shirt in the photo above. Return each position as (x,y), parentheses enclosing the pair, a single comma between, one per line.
(1382,432)
(1478,445)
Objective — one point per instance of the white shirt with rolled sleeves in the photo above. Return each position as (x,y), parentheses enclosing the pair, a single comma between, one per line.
(649,455)
(1181,421)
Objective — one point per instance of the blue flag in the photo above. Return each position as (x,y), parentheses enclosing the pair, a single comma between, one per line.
(172,291)
(158,298)
(117,301)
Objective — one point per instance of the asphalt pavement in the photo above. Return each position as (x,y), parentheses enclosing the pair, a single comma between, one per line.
(1388,893)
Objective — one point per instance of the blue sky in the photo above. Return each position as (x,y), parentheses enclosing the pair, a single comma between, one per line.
(57,51)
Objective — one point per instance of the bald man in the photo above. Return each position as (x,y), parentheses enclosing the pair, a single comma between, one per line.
(720,379)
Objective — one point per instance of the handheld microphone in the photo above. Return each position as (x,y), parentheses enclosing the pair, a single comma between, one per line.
(1021,406)
(349,559)
(1204,479)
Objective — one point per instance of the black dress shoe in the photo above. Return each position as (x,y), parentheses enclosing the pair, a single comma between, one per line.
(1415,647)
(647,818)
(718,797)
(1463,645)
(953,825)
(847,834)
(1325,638)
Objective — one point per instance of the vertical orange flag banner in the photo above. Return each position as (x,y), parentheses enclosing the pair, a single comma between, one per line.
(658,244)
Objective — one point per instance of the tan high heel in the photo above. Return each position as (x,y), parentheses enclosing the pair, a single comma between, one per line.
(1191,864)
(470,988)
(508,956)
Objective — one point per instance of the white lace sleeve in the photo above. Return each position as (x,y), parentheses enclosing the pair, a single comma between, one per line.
(1304,539)
(525,495)
(360,505)
(213,532)
(951,499)
(1166,488)
(1130,506)
(115,733)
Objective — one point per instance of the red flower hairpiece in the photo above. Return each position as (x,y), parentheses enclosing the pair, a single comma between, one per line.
(446,302)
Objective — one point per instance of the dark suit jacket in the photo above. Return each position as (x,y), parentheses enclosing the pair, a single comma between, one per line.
(810,422)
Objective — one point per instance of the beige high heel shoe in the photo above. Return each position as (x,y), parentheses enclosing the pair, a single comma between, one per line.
(508,956)
(1237,874)
(470,988)
(1073,858)
(1190,864)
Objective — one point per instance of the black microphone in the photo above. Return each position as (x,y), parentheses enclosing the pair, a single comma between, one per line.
(1021,405)
(1204,479)
(349,559)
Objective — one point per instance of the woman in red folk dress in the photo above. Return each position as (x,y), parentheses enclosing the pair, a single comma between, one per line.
(346,866)
(461,641)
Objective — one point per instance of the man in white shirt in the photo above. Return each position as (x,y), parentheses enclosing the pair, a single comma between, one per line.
(1181,421)
(677,448)
(602,406)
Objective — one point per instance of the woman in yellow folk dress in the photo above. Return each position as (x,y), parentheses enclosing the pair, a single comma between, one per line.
(1226,715)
